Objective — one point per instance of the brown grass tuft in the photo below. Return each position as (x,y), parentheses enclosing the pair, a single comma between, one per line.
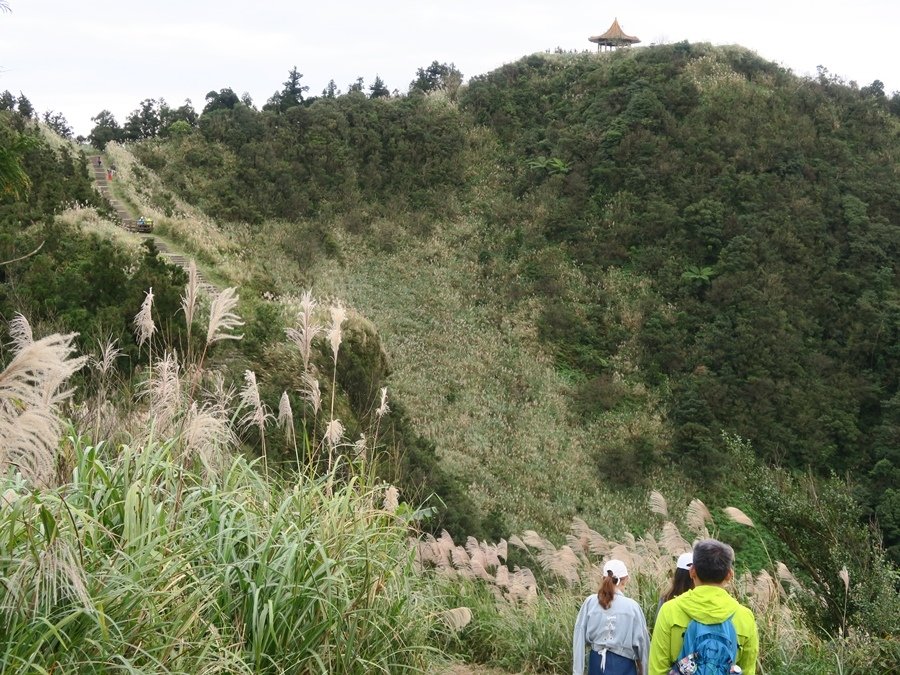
(738,516)
(658,504)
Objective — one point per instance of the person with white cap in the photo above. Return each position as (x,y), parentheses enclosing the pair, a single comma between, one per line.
(681,581)
(613,626)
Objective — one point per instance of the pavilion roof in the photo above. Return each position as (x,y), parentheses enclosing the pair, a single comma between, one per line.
(614,36)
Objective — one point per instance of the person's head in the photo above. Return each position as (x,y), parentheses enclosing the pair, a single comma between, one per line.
(713,562)
(615,576)
(681,580)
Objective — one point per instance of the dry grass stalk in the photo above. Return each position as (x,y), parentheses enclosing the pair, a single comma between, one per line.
(457,618)
(42,582)
(784,574)
(222,318)
(338,317)
(109,352)
(360,448)
(391,499)
(31,389)
(285,414)
(562,562)
(189,299)
(165,393)
(311,392)
(845,577)
(658,504)
(307,330)
(207,433)
(143,320)
(738,516)
(696,517)
(383,408)
(764,592)
(534,540)
(672,541)
(257,414)
(20,332)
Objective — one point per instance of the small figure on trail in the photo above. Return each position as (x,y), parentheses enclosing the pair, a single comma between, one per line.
(615,628)
(109,174)
(99,163)
(681,581)
(705,630)
(141,221)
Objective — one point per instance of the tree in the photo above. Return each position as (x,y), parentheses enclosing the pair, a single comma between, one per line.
(144,122)
(58,123)
(224,99)
(290,96)
(168,116)
(331,91)
(378,89)
(26,110)
(7,101)
(437,76)
(356,87)
(106,129)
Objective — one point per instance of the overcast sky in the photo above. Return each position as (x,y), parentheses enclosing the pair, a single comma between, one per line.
(81,57)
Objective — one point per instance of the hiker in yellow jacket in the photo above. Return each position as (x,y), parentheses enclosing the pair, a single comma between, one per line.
(707,603)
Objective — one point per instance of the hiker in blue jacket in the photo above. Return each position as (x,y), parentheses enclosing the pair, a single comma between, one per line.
(702,609)
(615,628)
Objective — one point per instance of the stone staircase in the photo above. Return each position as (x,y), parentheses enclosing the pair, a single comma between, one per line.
(139,226)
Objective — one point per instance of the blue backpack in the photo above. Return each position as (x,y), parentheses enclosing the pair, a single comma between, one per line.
(708,649)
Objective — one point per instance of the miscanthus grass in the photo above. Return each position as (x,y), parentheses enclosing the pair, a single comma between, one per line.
(139,564)
(173,553)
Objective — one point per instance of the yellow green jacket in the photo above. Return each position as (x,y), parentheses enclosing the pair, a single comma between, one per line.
(706,604)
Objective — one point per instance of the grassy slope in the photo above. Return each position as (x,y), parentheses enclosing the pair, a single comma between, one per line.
(466,360)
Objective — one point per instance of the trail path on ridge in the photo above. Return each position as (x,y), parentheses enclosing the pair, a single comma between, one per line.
(128,222)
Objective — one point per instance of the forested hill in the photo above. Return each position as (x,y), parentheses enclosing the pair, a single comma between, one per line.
(754,216)
(764,208)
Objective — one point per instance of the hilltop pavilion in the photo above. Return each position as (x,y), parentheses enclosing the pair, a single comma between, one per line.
(614,38)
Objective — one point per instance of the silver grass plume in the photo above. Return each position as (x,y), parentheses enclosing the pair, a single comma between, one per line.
(222,319)
(189,299)
(391,499)
(220,391)
(311,392)
(360,447)
(338,317)
(307,331)
(143,320)
(30,393)
(738,516)
(333,433)
(457,618)
(383,408)
(696,517)
(20,332)
(672,541)
(165,392)
(206,435)
(658,504)
(285,414)
(258,413)
(109,352)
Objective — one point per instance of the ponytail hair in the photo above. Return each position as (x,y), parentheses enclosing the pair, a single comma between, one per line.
(607,590)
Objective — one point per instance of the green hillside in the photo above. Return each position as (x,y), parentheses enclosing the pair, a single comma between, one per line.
(669,242)
(580,277)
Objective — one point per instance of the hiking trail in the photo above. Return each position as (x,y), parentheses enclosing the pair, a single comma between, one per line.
(127,222)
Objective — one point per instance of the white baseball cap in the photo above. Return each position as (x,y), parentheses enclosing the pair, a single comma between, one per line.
(685,560)
(617,567)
